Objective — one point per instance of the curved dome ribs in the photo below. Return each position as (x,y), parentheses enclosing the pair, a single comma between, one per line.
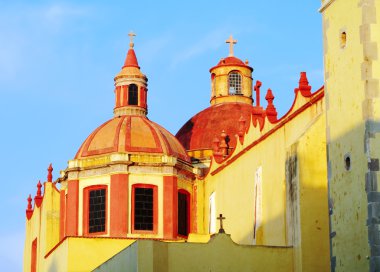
(131,134)
(199,132)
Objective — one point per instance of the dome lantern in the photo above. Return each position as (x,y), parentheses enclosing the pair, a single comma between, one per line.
(231,79)
(131,86)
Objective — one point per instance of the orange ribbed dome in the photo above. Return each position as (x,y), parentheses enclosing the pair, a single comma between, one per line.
(131,134)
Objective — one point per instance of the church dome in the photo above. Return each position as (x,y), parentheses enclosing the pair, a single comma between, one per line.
(231,60)
(131,134)
(198,132)
(130,131)
(231,100)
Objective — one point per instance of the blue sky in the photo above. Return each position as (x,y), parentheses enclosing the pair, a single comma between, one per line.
(58,60)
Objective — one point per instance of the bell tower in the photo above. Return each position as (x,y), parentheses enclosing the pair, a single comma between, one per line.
(231,79)
(352,93)
(131,86)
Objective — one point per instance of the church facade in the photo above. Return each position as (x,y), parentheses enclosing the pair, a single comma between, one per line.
(238,188)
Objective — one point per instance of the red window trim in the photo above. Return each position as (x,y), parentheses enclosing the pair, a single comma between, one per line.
(183,191)
(86,194)
(33,258)
(155,209)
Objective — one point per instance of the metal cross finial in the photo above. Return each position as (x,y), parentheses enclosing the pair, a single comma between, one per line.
(221,218)
(231,41)
(131,35)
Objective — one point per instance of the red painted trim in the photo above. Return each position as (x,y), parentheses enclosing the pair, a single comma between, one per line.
(72,208)
(125,95)
(119,205)
(157,149)
(62,214)
(56,246)
(86,194)
(228,64)
(194,205)
(170,207)
(117,96)
(143,97)
(115,146)
(33,258)
(155,208)
(86,143)
(170,149)
(188,197)
(284,120)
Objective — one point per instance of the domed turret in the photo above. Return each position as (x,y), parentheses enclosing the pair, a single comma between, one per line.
(231,79)
(231,99)
(131,86)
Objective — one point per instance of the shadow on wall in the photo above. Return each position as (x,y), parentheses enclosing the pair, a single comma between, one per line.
(354,198)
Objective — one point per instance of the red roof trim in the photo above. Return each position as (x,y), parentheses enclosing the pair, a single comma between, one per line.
(285,119)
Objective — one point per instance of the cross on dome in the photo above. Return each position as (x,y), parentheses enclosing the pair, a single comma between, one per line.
(231,41)
(131,35)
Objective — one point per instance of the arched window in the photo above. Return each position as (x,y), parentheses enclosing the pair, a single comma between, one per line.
(132,94)
(234,83)
(183,213)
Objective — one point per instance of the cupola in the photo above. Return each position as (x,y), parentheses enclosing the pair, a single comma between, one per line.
(131,86)
(231,79)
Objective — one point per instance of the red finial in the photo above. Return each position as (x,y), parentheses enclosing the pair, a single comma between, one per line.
(241,126)
(29,202)
(39,185)
(269,97)
(271,109)
(223,146)
(257,89)
(29,210)
(50,175)
(303,85)
(38,197)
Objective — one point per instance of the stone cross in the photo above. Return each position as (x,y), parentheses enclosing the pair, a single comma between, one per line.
(221,218)
(131,35)
(231,41)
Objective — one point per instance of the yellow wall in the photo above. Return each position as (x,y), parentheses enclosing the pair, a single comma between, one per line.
(352,75)
(83,254)
(307,228)
(43,225)
(219,254)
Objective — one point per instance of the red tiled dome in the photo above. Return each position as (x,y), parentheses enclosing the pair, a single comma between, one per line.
(131,134)
(198,133)
(231,61)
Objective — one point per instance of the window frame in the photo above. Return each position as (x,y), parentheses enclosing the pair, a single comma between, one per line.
(129,94)
(155,208)
(188,196)
(241,83)
(86,210)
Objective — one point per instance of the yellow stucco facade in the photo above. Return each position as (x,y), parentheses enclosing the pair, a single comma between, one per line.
(352,73)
